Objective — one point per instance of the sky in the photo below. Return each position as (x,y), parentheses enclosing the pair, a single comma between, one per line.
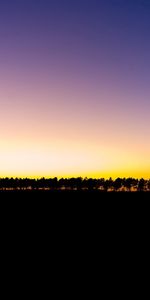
(75,88)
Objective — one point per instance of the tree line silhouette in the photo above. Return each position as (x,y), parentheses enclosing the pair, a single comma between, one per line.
(79,183)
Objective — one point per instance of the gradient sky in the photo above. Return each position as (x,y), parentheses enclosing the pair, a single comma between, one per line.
(75,88)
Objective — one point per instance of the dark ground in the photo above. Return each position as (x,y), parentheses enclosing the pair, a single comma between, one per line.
(68,194)
(87,212)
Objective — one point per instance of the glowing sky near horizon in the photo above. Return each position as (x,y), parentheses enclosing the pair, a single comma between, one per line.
(75,88)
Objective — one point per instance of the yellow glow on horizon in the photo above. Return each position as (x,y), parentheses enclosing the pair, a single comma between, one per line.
(52,138)
(68,159)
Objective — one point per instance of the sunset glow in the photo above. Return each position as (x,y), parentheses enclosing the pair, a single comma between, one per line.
(74,88)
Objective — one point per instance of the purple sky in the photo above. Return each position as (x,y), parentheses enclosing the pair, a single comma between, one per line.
(74,79)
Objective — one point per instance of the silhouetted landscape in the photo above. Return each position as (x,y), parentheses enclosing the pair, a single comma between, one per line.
(75,184)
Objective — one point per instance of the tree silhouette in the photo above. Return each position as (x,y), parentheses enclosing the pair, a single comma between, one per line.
(117,184)
(141,185)
(79,183)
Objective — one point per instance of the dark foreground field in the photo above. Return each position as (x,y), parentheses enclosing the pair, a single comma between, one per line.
(55,209)
(68,194)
